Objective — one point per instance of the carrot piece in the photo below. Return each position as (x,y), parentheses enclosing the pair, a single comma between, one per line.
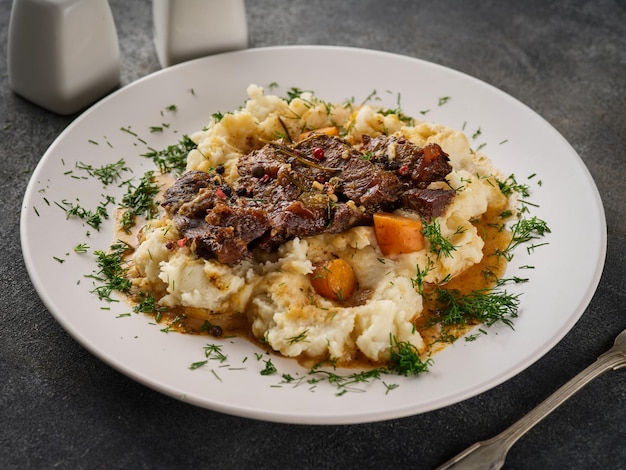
(397,234)
(334,279)
(322,130)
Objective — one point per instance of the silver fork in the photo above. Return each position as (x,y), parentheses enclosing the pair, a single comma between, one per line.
(490,454)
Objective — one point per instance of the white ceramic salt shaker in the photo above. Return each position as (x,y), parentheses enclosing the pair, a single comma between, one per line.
(188,29)
(63,55)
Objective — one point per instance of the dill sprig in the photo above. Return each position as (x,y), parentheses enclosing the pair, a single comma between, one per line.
(197,365)
(148,304)
(294,93)
(404,358)
(269,368)
(486,305)
(139,200)
(92,218)
(407,120)
(302,337)
(510,185)
(107,174)
(345,383)
(418,281)
(81,248)
(214,352)
(174,157)
(439,245)
(524,231)
(112,271)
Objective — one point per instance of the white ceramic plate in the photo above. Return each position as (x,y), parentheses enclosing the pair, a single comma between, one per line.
(565,275)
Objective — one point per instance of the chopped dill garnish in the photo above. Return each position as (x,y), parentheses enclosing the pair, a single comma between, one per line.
(371,97)
(269,368)
(128,131)
(407,120)
(344,383)
(404,358)
(174,157)
(148,304)
(139,200)
(112,271)
(92,218)
(418,281)
(524,231)
(287,378)
(510,185)
(197,365)
(107,174)
(81,248)
(389,387)
(299,338)
(439,245)
(479,306)
(214,351)
(293,93)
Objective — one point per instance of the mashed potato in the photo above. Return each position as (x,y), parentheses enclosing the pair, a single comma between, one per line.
(274,291)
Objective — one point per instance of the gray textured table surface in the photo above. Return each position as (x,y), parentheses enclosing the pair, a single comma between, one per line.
(60,407)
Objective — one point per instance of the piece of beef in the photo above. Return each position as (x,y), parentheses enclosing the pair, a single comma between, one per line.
(321,184)
(187,189)
(429,203)
(345,216)
(220,243)
(356,177)
(273,179)
(417,166)
(248,222)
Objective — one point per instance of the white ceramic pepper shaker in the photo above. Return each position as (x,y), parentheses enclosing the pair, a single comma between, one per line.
(63,55)
(188,29)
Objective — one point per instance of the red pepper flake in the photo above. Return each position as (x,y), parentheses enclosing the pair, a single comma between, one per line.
(264,179)
(318,153)
(220,193)
(182,243)
(403,170)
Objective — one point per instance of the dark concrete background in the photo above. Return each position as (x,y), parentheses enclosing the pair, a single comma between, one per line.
(60,407)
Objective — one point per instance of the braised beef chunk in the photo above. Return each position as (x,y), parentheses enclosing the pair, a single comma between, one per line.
(417,167)
(220,243)
(321,184)
(429,203)
(186,190)
(248,223)
(354,177)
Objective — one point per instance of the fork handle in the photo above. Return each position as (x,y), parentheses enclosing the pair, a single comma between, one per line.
(490,454)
